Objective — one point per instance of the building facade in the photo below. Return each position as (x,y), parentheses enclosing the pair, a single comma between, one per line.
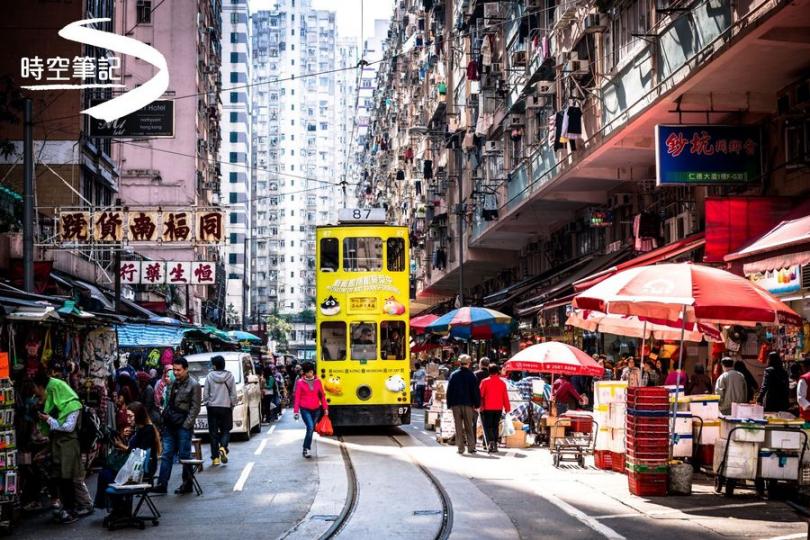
(236,158)
(518,140)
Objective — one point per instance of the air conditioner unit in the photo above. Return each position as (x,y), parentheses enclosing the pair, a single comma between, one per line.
(578,67)
(545,87)
(516,120)
(536,102)
(492,147)
(519,58)
(595,22)
(492,13)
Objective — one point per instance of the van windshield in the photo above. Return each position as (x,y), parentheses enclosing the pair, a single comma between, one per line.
(200,368)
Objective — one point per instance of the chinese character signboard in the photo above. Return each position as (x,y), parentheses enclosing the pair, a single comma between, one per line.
(174,272)
(205,226)
(708,155)
(154,120)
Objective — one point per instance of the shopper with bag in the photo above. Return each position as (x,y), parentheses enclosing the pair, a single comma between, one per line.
(310,402)
(463,398)
(269,395)
(494,401)
(219,397)
(182,408)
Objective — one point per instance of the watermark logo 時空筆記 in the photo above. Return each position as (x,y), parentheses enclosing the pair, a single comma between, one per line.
(60,72)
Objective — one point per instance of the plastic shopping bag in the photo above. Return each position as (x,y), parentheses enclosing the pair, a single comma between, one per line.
(324,427)
(508,425)
(132,471)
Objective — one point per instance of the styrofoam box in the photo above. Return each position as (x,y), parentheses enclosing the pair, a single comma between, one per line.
(602,439)
(753,434)
(707,409)
(616,414)
(432,417)
(683,424)
(741,461)
(747,410)
(683,448)
(778,465)
(710,431)
(617,441)
(783,440)
(605,392)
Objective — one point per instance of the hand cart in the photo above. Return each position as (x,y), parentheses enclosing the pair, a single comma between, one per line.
(574,447)
(724,484)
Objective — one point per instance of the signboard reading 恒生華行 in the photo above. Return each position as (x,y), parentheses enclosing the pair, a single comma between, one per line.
(708,155)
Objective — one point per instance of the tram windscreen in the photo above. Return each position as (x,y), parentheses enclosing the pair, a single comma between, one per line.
(392,335)
(362,254)
(396,254)
(333,340)
(364,341)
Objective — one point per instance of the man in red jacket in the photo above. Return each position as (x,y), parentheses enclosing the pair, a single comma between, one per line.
(494,401)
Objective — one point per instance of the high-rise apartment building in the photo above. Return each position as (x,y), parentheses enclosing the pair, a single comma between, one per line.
(297,136)
(236,157)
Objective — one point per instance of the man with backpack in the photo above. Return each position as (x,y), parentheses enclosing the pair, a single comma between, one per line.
(62,416)
(219,397)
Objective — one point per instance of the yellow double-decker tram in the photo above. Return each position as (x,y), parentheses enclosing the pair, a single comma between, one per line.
(362,352)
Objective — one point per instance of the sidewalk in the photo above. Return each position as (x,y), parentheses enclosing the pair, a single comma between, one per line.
(592,503)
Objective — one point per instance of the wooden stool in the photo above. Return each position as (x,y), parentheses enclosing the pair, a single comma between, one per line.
(196,450)
(195,463)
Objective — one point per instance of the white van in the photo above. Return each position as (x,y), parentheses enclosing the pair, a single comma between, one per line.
(247,414)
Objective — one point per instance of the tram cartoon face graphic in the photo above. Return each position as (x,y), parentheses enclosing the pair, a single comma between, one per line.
(392,307)
(334,386)
(330,306)
(395,383)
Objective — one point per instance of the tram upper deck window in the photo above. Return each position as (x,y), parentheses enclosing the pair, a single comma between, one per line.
(333,340)
(396,254)
(329,254)
(364,341)
(362,254)
(392,335)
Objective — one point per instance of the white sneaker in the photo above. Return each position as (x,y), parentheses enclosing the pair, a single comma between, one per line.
(307,454)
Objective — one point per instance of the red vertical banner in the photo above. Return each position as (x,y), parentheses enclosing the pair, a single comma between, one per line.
(733,222)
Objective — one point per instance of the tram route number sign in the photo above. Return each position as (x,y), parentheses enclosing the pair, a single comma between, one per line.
(154,120)
(361,215)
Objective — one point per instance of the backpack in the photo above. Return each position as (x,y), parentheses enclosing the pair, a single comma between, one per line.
(90,431)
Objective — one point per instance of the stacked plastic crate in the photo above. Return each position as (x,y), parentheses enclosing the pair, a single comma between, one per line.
(605,394)
(647,440)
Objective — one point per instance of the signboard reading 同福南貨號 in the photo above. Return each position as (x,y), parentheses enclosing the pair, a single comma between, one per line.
(154,120)
(708,155)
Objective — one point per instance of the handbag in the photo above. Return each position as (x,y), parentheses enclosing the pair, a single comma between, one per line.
(173,418)
(508,425)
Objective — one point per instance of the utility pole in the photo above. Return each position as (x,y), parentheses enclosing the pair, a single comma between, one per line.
(28,197)
(460,226)
(117,270)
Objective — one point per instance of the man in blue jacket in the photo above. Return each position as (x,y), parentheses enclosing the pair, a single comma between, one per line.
(463,398)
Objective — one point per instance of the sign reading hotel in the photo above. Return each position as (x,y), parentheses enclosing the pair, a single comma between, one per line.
(202,226)
(171,273)
(708,155)
(154,120)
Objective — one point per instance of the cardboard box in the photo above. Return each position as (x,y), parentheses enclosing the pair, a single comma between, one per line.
(741,459)
(778,465)
(518,440)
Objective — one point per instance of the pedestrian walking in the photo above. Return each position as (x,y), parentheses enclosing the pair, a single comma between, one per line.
(494,401)
(463,398)
(420,383)
(181,410)
(566,396)
(803,391)
(310,402)
(751,385)
(63,417)
(219,397)
(773,395)
(483,370)
(269,391)
(730,386)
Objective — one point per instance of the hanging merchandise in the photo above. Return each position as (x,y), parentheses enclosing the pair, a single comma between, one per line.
(32,347)
(472,71)
(400,176)
(486,52)
(442,88)
(427,169)
(418,187)
(98,354)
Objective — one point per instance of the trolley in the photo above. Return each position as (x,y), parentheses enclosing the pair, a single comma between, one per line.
(362,306)
(575,446)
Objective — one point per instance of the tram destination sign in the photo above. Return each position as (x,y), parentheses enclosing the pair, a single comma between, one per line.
(361,215)
(154,120)
(708,155)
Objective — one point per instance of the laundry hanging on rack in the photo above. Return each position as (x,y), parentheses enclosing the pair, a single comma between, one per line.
(490,207)
(572,123)
(646,230)
(400,174)
(486,52)
(427,169)
(472,71)
(559,140)
(409,155)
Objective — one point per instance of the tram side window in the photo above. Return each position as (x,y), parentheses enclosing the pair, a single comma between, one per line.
(333,340)
(329,254)
(364,341)
(396,254)
(362,254)
(392,334)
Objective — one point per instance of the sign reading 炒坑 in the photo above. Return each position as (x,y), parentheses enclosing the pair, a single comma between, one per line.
(154,120)
(708,155)
(779,281)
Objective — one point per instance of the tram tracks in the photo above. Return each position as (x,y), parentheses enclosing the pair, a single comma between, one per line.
(344,518)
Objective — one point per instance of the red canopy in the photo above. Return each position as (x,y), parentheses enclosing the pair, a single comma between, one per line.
(554,357)
(419,323)
(708,294)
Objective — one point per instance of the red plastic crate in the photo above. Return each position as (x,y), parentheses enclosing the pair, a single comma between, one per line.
(645,445)
(644,422)
(603,459)
(580,423)
(647,484)
(617,462)
(649,404)
(647,391)
(706,454)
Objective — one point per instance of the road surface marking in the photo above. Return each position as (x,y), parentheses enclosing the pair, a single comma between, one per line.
(581,516)
(243,477)
(260,449)
(680,510)
(271,430)
(788,537)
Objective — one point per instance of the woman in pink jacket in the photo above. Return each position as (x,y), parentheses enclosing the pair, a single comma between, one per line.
(309,401)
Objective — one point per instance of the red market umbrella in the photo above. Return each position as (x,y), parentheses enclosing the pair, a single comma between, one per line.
(632,326)
(419,323)
(667,292)
(556,358)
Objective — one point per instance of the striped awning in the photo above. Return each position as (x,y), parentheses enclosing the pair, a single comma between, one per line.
(150,335)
